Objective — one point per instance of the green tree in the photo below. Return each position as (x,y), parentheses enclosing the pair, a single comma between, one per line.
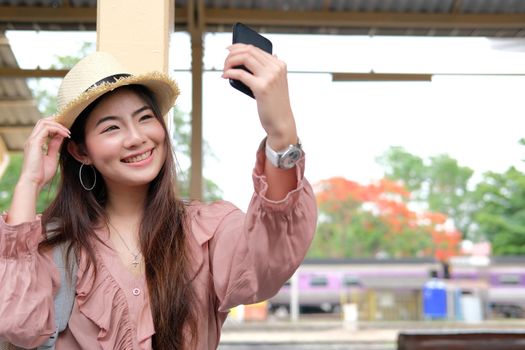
(398,164)
(448,191)
(439,183)
(500,211)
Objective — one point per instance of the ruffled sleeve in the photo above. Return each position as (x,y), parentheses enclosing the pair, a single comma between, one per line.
(252,255)
(28,281)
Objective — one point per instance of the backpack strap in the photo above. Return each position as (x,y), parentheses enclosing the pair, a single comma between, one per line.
(66,294)
(63,300)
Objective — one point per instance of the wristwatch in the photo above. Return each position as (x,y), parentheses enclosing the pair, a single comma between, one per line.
(287,158)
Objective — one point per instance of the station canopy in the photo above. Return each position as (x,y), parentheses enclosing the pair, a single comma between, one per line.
(503,19)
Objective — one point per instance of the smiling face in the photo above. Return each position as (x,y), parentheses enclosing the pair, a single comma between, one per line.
(124,140)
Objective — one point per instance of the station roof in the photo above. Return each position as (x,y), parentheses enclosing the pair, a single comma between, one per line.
(494,18)
(18,110)
(484,18)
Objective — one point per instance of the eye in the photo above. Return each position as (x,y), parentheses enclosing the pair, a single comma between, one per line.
(110,128)
(146,117)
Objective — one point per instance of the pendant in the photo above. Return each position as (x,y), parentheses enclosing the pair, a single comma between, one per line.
(135,261)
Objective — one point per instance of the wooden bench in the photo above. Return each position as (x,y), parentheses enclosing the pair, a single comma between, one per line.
(461,340)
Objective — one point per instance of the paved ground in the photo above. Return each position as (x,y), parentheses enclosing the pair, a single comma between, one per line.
(305,336)
(310,333)
(320,346)
(335,335)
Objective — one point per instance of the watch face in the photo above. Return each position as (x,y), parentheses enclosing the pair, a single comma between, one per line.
(289,158)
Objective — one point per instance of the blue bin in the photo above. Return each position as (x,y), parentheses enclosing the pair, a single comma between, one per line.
(435,299)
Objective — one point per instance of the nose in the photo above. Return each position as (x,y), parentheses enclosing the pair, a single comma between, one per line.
(134,137)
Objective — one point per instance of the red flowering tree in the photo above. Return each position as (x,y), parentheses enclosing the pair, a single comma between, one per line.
(377,220)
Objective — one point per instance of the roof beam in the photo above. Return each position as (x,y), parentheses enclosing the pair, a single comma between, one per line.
(72,15)
(218,16)
(8,72)
(372,76)
(361,19)
(380,77)
(30,14)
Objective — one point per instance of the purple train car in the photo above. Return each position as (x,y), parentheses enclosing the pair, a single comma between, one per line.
(324,283)
(500,284)
(506,293)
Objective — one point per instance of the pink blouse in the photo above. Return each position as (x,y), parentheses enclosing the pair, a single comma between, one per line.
(239,259)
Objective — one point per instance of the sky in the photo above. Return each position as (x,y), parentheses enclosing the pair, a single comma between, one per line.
(344,126)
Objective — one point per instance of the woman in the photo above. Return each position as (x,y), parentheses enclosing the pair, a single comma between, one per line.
(153,271)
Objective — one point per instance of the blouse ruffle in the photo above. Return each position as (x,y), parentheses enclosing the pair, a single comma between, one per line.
(103,301)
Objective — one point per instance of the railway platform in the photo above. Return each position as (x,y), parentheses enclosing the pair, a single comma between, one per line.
(334,334)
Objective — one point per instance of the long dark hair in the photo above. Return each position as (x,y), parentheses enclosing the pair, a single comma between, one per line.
(75,213)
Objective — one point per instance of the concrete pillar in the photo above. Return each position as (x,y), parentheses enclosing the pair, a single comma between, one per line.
(136,32)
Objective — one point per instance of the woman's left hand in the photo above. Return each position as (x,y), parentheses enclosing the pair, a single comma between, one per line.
(269,85)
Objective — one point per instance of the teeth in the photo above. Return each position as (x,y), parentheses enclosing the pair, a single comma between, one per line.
(137,158)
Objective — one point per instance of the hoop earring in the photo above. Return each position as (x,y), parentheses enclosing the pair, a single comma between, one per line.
(82,182)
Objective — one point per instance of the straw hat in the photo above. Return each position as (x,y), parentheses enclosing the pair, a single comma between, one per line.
(100,73)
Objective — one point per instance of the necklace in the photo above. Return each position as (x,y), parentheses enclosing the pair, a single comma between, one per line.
(136,256)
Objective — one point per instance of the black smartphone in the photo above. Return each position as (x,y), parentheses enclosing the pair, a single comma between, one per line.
(246,35)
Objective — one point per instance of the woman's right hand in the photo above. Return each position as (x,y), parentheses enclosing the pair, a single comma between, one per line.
(39,167)
(41,153)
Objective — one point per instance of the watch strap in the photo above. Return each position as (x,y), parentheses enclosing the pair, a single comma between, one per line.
(275,156)
(271,155)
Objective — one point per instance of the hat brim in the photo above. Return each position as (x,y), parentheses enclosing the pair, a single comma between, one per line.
(164,89)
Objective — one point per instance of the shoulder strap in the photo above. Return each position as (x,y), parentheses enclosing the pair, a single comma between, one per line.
(63,300)
(66,294)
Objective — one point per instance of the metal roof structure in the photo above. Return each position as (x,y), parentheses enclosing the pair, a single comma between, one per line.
(18,110)
(493,18)
(487,18)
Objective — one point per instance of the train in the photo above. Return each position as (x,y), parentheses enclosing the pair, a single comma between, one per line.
(392,289)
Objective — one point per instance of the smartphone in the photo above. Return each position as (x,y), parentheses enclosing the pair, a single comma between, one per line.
(246,35)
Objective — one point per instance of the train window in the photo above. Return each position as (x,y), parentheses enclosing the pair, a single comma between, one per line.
(318,281)
(350,281)
(510,279)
